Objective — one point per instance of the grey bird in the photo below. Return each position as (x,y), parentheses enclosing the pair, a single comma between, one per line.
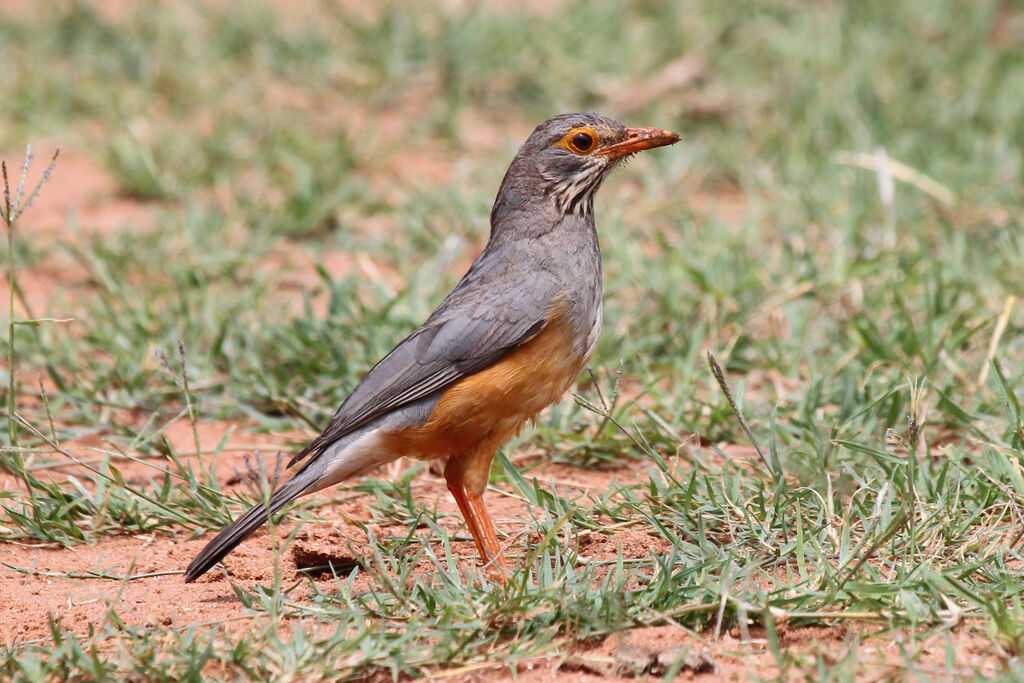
(509,340)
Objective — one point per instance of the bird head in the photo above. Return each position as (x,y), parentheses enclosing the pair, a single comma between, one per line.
(567,157)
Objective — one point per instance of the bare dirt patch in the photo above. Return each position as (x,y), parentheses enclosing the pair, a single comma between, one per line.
(44,580)
(41,582)
(80,198)
(647,653)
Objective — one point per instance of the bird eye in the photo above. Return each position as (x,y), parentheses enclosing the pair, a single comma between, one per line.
(582,142)
(579,140)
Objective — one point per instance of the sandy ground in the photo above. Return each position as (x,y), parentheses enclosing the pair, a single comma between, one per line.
(41,582)
(159,598)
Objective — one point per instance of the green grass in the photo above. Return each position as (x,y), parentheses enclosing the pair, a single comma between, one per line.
(854,332)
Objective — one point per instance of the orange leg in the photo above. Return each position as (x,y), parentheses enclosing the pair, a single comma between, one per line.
(467,478)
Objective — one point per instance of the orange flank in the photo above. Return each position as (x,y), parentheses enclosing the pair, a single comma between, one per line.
(477,414)
(491,406)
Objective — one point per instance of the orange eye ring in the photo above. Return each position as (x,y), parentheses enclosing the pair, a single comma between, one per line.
(582,140)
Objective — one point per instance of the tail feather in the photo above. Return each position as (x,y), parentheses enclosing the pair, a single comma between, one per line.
(242,527)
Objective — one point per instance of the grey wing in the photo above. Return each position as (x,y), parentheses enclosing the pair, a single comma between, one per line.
(451,345)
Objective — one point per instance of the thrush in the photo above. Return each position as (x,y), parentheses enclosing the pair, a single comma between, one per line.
(508,341)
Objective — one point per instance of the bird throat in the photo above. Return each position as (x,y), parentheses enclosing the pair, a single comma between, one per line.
(575,194)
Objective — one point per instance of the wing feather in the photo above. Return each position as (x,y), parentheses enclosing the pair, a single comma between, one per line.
(431,359)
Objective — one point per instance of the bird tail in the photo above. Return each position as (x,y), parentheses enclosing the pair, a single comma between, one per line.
(242,527)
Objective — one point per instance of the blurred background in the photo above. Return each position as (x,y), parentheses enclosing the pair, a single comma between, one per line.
(222,163)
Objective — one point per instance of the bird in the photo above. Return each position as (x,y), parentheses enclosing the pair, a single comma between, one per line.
(509,340)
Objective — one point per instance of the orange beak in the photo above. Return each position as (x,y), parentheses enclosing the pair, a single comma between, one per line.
(639,139)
